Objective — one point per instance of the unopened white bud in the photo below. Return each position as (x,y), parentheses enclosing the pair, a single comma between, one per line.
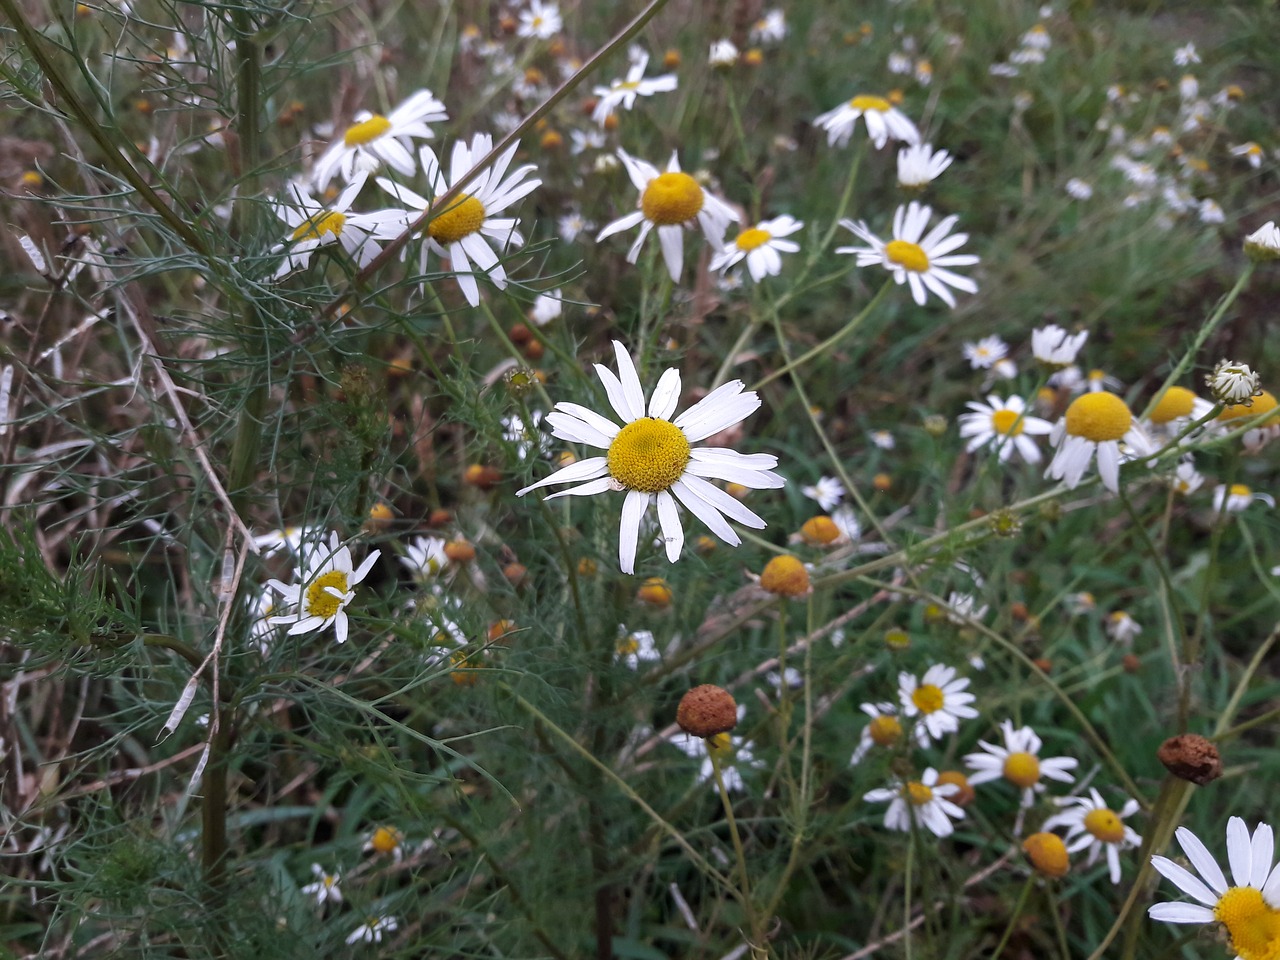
(1233,383)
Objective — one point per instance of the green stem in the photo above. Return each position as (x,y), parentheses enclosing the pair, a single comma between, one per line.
(744,880)
(1013,920)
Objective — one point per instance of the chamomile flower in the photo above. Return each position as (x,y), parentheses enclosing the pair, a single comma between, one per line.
(1186,479)
(723,54)
(327,584)
(636,647)
(1095,423)
(425,557)
(1237,498)
(386,841)
(325,886)
(314,225)
(771,28)
(732,752)
(939,699)
(1263,243)
(828,491)
(1249,909)
(541,20)
(1186,55)
(761,246)
(526,435)
(1019,762)
(1054,347)
(460,231)
(1093,825)
(919,164)
(670,201)
(653,458)
(546,307)
(884,730)
(1175,408)
(1250,152)
(1121,627)
(924,801)
(883,121)
(623,93)
(986,352)
(1079,189)
(914,257)
(1003,424)
(374,140)
(372,929)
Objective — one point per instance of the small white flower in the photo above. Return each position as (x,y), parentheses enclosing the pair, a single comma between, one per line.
(986,352)
(636,647)
(1053,346)
(580,141)
(1122,628)
(1019,762)
(914,257)
(325,887)
(1238,497)
(623,93)
(723,54)
(884,730)
(1092,824)
(732,752)
(1079,189)
(371,930)
(1233,383)
(572,224)
(426,557)
(1188,87)
(527,436)
(1095,423)
(883,121)
(1186,479)
(374,140)
(828,491)
(546,307)
(1003,424)
(327,584)
(761,246)
(314,225)
(1264,243)
(883,439)
(1186,55)
(771,28)
(963,607)
(919,164)
(923,801)
(939,698)
(541,20)
(1249,151)
(1210,211)
(1037,38)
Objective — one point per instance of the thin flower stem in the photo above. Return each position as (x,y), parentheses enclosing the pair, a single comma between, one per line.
(744,879)
(1013,919)
(906,889)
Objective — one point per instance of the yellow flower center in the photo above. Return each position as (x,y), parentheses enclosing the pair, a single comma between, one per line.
(720,745)
(1098,417)
(820,531)
(366,131)
(1047,853)
(628,646)
(917,793)
(385,839)
(1254,925)
(671,198)
(786,576)
(322,603)
(1240,490)
(1261,404)
(1173,403)
(865,103)
(626,85)
(314,228)
(909,256)
(464,217)
(1022,769)
(648,455)
(884,730)
(751,238)
(927,698)
(1006,422)
(1105,825)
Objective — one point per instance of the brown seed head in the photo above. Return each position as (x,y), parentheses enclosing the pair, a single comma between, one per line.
(1191,757)
(460,551)
(707,710)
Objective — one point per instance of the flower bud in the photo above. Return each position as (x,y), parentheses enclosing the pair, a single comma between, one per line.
(1233,383)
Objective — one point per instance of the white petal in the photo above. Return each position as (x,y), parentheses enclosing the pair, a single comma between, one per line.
(672,532)
(632,392)
(721,408)
(633,508)
(1184,880)
(1239,851)
(665,395)
(587,469)
(602,425)
(1202,860)
(705,512)
(1180,913)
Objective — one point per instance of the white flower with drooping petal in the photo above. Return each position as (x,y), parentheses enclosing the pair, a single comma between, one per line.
(1019,762)
(374,140)
(939,698)
(653,458)
(326,585)
(1092,824)
(623,93)
(925,801)
(314,225)
(914,257)
(882,118)
(761,247)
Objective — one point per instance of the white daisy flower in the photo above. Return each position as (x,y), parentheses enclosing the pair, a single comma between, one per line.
(732,752)
(572,224)
(1186,55)
(526,436)
(546,307)
(1263,243)
(883,121)
(325,887)
(882,439)
(1237,498)
(914,257)
(459,232)
(1079,189)
(1186,478)
(884,730)
(761,247)
(314,225)
(327,582)
(986,352)
(1175,408)
(771,28)
(924,801)
(828,491)
(920,164)
(623,93)
(1095,423)
(1003,424)
(541,21)
(636,647)
(723,54)
(938,699)
(425,557)
(374,140)
(1249,151)
(1249,909)
(963,607)
(1019,762)
(1121,627)
(1210,211)
(1054,347)
(653,459)
(670,201)
(371,930)
(581,141)
(1037,38)
(1092,824)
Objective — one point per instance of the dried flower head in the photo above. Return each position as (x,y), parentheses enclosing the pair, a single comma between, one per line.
(1190,756)
(707,710)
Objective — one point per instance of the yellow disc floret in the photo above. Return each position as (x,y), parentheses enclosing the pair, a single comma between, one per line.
(671,198)
(751,238)
(1047,853)
(385,840)
(909,256)
(1173,403)
(1254,925)
(648,455)
(1007,423)
(917,793)
(464,217)
(366,131)
(927,698)
(1105,825)
(820,531)
(320,601)
(884,730)
(785,576)
(865,103)
(1098,417)
(1263,402)
(314,228)
(1022,769)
